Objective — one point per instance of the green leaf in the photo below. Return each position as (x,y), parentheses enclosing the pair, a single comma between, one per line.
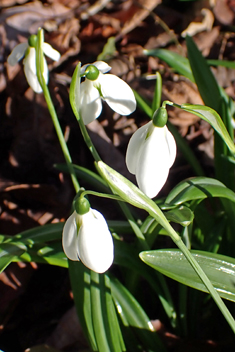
(143,105)
(127,255)
(88,175)
(8,251)
(198,188)
(211,116)
(224,63)
(220,269)
(182,215)
(186,150)
(174,60)
(80,281)
(204,78)
(40,234)
(136,317)
(74,92)
(95,308)
(109,50)
(106,327)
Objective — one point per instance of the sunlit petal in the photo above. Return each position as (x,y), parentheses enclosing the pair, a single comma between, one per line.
(150,154)
(70,238)
(172,147)
(135,143)
(102,66)
(31,72)
(95,243)
(17,53)
(117,94)
(153,165)
(50,52)
(90,102)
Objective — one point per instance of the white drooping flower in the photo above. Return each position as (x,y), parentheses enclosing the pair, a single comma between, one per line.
(150,154)
(87,238)
(97,86)
(27,50)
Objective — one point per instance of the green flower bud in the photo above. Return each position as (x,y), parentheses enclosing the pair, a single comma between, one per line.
(92,72)
(32,40)
(160,117)
(82,206)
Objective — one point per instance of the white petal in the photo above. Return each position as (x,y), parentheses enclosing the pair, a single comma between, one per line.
(95,243)
(90,102)
(17,53)
(117,94)
(83,68)
(154,163)
(134,145)
(31,72)
(50,52)
(70,238)
(172,147)
(102,66)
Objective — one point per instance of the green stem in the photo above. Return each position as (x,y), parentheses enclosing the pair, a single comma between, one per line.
(74,94)
(50,105)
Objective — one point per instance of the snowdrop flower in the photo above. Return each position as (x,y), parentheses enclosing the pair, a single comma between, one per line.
(86,237)
(27,50)
(150,154)
(97,86)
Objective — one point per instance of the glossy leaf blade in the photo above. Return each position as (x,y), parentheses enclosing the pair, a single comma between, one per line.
(182,215)
(211,116)
(106,327)
(204,78)
(198,188)
(80,282)
(174,60)
(8,252)
(136,317)
(220,269)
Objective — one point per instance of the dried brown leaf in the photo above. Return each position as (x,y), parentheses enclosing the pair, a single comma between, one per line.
(141,11)
(31,16)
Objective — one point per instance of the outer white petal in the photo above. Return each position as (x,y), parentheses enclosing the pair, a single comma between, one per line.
(50,52)
(117,94)
(70,238)
(95,242)
(172,146)
(90,102)
(134,146)
(154,162)
(31,73)
(102,66)
(17,53)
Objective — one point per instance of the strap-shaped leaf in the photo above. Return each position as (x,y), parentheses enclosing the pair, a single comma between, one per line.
(204,78)
(182,215)
(198,188)
(136,317)
(40,234)
(9,251)
(174,60)
(211,116)
(80,281)
(95,308)
(220,269)
(106,327)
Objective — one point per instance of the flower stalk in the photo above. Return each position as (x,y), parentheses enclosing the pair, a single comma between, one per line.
(51,108)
